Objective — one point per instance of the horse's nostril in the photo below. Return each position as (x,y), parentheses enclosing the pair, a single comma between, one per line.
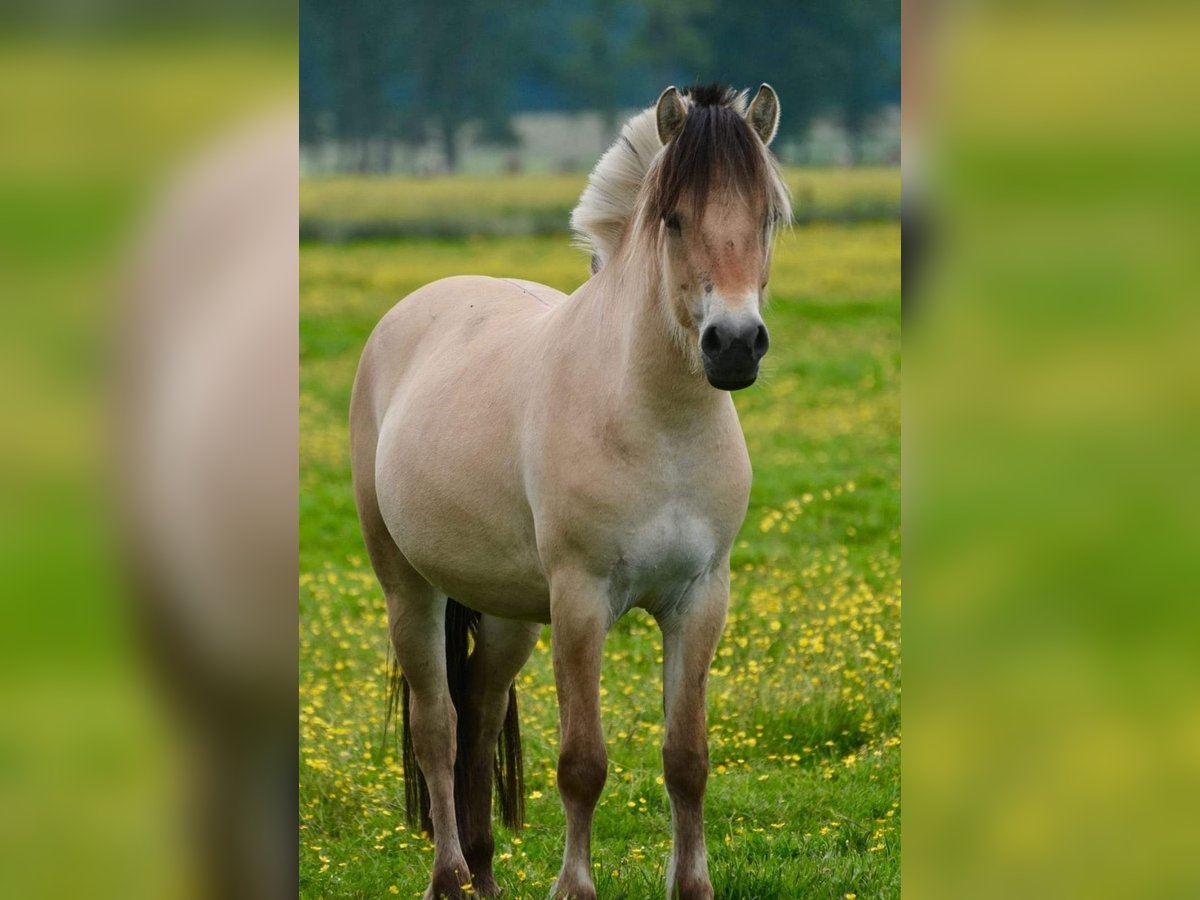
(710,341)
(761,341)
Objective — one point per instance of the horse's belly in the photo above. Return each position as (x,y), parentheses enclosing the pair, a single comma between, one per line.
(461,520)
(504,589)
(497,574)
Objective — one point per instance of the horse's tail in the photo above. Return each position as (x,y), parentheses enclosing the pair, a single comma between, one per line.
(462,624)
(510,767)
(416,791)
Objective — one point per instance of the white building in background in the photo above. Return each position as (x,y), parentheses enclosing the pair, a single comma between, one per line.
(572,142)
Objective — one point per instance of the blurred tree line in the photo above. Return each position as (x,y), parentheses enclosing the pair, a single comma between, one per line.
(375,74)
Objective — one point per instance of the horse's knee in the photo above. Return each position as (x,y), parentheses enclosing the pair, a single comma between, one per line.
(582,771)
(685,771)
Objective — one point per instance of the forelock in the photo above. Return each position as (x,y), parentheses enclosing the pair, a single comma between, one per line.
(715,151)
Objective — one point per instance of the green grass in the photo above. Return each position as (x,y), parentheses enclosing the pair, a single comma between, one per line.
(804,722)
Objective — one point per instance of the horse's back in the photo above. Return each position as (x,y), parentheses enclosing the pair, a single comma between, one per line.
(454,320)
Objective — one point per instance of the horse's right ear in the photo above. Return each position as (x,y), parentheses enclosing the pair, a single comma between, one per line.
(669,114)
(763,114)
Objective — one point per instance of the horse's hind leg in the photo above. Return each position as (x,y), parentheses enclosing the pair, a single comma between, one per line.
(502,647)
(417,620)
(417,624)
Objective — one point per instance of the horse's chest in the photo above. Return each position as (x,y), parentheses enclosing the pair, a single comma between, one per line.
(662,555)
(653,514)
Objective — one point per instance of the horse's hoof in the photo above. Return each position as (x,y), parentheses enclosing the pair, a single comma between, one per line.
(486,886)
(691,890)
(449,882)
(447,893)
(564,890)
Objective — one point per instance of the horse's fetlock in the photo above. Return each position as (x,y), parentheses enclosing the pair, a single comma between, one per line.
(693,889)
(566,889)
(448,879)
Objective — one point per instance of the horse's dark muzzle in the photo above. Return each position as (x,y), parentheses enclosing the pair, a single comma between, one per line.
(731,353)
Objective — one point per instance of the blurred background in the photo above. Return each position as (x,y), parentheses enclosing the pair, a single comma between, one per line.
(1050,482)
(423,87)
(469,118)
(125,126)
(1051,401)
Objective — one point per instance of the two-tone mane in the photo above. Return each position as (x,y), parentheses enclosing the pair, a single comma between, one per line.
(715,141)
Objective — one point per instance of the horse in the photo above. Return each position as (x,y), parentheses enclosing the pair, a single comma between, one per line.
(543,458)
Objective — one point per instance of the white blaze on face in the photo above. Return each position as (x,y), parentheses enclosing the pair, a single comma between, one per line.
(742,309)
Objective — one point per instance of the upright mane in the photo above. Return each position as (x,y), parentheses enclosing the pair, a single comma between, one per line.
(715,144)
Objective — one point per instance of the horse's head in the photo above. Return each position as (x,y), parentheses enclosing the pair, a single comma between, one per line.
(715,198)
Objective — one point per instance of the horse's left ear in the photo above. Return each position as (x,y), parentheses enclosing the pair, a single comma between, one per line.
(669,114)
(763,114)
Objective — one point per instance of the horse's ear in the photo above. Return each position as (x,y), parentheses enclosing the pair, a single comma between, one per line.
(763,114)
(669,113)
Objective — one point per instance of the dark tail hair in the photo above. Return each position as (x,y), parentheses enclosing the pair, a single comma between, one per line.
(462,625)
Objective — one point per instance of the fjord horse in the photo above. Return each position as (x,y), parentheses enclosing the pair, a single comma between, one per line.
(541,458)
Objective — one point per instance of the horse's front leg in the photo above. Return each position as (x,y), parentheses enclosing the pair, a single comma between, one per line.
(690,636)
(579,619)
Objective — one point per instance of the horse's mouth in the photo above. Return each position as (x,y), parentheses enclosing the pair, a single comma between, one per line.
(731,382)
(734,369)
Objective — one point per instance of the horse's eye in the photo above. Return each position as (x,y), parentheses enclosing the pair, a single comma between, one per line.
(674,223)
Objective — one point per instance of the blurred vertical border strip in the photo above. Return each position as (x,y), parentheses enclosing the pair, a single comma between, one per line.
(104,106)
(1051,436)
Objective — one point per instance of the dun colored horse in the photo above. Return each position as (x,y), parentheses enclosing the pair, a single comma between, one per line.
(545,458)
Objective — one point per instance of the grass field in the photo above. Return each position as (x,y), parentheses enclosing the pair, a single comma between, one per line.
(804,711)
(348,208)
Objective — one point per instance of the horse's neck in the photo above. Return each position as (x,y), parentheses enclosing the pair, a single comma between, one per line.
(626,313)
